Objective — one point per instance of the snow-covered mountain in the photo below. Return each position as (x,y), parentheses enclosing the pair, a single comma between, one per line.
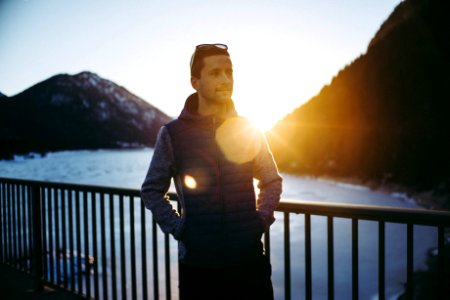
(82,111)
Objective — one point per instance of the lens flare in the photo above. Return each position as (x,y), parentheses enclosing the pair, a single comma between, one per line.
(239,140)
(190,182)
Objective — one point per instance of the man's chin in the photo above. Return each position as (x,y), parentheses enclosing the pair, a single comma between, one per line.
(223,97)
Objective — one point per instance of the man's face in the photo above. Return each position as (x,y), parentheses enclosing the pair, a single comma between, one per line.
(215,84)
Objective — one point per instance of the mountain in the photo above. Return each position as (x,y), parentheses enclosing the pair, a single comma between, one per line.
(83,111)
(384,118)
(2,95)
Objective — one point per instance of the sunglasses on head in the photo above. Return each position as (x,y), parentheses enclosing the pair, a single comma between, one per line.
(210,46)
(205,47)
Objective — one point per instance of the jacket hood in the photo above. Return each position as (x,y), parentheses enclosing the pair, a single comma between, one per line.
(190,111)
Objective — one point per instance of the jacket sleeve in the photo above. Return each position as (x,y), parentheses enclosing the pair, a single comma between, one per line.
(269,183)
(157,183)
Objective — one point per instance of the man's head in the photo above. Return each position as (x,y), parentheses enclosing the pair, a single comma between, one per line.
(212,73)
(205,50)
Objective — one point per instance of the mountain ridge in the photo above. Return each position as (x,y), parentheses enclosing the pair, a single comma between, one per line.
(81,111)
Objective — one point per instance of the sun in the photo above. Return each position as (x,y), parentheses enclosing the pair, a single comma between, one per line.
(261,122)
(262,117)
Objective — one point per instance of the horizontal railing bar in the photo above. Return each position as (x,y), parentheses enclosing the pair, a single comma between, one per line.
(77,187)
(343,210)
(368,212)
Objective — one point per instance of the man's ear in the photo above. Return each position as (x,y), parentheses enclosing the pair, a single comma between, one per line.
(194,82)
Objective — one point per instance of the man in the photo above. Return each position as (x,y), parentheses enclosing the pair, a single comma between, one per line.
(213,156)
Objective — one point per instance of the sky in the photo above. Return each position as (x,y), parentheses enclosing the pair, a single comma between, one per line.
(283,52)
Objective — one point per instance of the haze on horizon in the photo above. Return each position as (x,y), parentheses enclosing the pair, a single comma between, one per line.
(283,52)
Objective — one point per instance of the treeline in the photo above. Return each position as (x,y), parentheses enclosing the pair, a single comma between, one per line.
(385,117)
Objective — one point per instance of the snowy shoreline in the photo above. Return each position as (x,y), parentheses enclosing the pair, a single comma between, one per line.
(408,195)
(404,194)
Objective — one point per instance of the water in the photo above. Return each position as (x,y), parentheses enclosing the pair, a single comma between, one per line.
(127,168)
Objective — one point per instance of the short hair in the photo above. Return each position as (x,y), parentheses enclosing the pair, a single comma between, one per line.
(202,51)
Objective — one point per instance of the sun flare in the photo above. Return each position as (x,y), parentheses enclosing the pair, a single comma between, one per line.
(261,123)
(190,182)
(239,140)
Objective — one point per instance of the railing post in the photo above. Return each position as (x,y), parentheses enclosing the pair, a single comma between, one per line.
(267,244)
(2,199)
(37,239)
(287,257)
(355,259)
(308,263)
(167,263)
(409,261)
(441,261)
(155,260)
(330,244)
(381,260)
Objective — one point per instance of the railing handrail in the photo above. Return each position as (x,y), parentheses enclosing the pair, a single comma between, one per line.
(392,214)
(420,216)
(76,186)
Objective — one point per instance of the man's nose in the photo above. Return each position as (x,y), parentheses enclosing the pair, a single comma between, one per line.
(226,78)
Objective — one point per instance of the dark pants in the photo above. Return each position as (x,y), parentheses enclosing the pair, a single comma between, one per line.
(250,281)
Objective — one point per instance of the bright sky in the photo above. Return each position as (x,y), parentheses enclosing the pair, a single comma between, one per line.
(283,51)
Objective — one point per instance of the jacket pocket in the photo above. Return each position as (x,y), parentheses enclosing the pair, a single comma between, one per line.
(263,222)
(180,230)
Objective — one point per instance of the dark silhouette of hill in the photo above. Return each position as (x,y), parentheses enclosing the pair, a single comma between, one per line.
(82,111)
(384,118)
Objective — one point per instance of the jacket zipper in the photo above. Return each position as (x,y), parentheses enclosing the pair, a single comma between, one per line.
(219,178)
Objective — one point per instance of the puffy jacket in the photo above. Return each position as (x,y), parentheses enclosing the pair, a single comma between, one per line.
(219,224)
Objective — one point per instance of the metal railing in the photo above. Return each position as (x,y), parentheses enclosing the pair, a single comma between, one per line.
(93,240)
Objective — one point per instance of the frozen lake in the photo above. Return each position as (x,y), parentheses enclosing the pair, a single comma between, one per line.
(127,168)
